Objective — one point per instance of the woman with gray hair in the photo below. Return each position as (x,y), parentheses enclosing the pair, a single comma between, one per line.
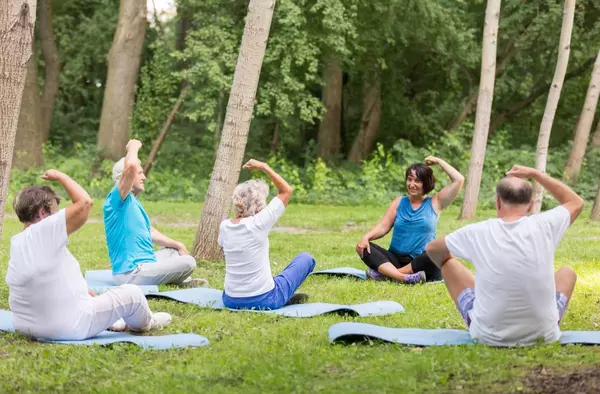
(245,241)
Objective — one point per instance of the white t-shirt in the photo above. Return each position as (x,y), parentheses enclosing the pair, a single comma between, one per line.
(246,248)
(515,293)
(47,293)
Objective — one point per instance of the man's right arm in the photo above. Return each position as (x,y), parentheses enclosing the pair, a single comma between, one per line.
(130,168)
(566,197)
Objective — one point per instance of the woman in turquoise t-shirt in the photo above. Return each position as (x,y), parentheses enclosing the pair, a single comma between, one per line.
(414,219)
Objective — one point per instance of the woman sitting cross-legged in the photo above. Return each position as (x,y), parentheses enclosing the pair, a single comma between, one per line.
(249,283)
(414,219)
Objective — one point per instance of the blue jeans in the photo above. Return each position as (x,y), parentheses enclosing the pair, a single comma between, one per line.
(286,284)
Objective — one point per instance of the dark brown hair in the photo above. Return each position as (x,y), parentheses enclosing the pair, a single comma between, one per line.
(513,193)
(31,199)
(424,173)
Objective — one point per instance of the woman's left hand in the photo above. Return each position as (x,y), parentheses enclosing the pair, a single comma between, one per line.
(432,160)
(254,165)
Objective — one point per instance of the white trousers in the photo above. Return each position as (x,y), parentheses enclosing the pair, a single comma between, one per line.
(169,267)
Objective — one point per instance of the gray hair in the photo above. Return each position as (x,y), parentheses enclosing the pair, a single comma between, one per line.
(118,169)
(250,197)
(516,191)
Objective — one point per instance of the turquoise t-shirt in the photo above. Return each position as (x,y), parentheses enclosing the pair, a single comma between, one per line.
(413,228)
(127,229)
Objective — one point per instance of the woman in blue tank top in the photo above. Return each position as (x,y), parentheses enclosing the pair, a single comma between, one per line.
(414,219)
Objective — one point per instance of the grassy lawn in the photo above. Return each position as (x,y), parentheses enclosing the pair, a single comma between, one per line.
(259,353)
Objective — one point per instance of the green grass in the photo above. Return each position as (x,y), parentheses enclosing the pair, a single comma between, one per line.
(261,353)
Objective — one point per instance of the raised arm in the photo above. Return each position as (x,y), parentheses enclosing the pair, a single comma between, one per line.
(77,213)
(380,229)
(131,166)
(284,190)
(160,239)
(566,197)
(449,193)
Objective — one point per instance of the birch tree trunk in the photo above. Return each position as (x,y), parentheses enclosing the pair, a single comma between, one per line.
(51,67)
(582,134)
(564,50)
(17,19)
(28,150)
(123,66)
(484,109)
(234,136)
(596,208)
(330,129)
(369,125)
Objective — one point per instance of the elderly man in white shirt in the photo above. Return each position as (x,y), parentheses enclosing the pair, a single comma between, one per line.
(514,298)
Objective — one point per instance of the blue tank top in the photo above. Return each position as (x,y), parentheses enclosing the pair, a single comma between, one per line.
(413,228)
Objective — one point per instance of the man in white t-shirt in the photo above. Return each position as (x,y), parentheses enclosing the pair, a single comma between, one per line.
(47,293)
(514,298)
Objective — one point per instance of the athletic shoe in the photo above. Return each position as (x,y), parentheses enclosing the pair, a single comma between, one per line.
(298,298)
(374,275)
(118,326)
(417,278)
(159,321)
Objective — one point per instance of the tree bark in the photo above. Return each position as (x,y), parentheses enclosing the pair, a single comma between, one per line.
(330,129)
(51,67)
(564,50)
(163,133)
(484,109)
(573,167)
(17,19)
(537,91)
(235,130)
(596,137)
(596,208)
(369,125)
(123,66)
(28,150)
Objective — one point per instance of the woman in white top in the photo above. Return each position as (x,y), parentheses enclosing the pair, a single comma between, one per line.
(245,241)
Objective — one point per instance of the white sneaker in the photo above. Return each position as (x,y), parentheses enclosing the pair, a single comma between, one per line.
(196,282)
(118,326)
(159,321)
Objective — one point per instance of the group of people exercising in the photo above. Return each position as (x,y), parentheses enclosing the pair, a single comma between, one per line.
(514,298)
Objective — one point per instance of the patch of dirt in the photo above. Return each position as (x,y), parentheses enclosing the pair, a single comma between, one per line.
(583,381)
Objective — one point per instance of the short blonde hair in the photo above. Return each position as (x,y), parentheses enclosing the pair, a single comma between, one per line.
(250,197)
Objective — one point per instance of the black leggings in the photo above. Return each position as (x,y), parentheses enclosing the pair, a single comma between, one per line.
(422,262)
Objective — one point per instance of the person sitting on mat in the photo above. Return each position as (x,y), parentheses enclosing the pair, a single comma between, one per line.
(245,241)
(514,298)
(47,293)
(414,219)
(130,236)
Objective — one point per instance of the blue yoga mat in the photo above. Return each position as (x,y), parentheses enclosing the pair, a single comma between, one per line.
(356,332)
(355,272)
(102,281)
(154,342)
(212,298)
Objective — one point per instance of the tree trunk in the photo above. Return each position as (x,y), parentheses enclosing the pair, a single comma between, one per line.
(564,49)
(17,19)
(330,128)
(123,66)
(232,146)
(28,150)
(584,125)
(369,125)
(163,133)
(538,91)
(51,67)
(596,137)
(276,136)
(596,208)
(484,109)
